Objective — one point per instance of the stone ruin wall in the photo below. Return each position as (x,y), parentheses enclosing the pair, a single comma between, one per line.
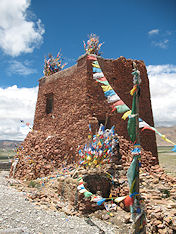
(70,114)
(118,73)
(78,99)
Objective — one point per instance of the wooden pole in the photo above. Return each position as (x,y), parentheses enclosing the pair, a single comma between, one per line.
(137,135)
(137,217)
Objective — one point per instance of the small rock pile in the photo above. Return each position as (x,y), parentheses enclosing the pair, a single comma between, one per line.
(147,159)
(39,155)
(159,191)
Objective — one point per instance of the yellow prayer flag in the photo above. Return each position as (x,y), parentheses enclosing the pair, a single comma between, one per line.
(132,185)
(88,158)
(111,214)
(89,136)
(126,114)
(96,65)
(132,91)
(170,141)
(165,139)
(99,143)
(106,88)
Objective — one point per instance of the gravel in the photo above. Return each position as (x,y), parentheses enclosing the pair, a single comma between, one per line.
(17,215)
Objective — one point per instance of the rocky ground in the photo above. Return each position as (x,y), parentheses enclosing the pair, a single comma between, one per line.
(47,200)
(159,191)
(37,208)
(19,215)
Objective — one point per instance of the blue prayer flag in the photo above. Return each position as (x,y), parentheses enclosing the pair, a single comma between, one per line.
(109,93)
(98,70)
(174,149)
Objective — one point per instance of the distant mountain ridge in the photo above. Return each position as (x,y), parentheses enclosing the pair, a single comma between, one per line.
(9,144)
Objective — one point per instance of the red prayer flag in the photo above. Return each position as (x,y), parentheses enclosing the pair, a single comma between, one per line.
(89,57)
(147,127)
(102,79)
(128,201)
(120,102)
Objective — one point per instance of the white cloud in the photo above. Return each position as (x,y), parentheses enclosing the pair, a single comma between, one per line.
(161,38)
(162,86)
(162,44)
(17,34)
(16,104)
(160,69)
(20,68)
(153,32)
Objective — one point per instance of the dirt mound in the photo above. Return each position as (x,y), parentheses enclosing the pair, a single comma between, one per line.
(40,154)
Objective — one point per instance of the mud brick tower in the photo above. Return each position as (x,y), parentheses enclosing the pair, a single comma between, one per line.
(70,99)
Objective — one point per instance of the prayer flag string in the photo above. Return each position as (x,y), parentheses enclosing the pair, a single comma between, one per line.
(117,104)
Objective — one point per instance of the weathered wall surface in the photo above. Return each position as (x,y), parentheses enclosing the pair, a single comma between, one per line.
(69,118)
(77,101)
(77,98)
(118,73)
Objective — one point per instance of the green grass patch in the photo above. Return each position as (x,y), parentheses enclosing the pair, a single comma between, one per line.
(167,159)
(33,184)
(5,155)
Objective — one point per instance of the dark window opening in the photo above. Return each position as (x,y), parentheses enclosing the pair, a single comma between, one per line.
(49,103)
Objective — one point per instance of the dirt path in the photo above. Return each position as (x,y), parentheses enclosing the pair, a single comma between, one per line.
(17,215)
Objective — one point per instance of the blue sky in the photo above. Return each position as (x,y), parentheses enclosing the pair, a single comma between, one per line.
(29,30)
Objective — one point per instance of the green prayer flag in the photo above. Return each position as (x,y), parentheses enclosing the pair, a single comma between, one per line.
(80,178)
(105,82)
(87,194)
(95,62)
(131,175)
(157,131)
(122,108)
(131,127)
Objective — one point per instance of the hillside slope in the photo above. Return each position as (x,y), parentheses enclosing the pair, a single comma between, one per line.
(9,144)
(169,132)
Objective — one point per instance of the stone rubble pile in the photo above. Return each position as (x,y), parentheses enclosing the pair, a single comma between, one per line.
(41,153)
(50,180)
(156,188)
(159,191)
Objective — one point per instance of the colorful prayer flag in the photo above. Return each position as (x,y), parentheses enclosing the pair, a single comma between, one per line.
(91,57)
(131,126)
(126,114)
(106,88)
(109,93)
(113,98)
(122,108)
(97,70)
(98,75)
(96,65)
